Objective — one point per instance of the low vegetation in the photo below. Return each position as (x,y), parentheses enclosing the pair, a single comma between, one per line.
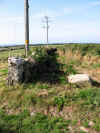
(44,106)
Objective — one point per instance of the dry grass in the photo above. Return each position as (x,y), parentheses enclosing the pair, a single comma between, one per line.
(84,64)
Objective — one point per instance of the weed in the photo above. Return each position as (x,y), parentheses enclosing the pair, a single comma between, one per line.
(90,96)
(59,101)
(82,132)
(70,69)
(43,86)
(86,124)
(74,122)
(97,127)
(62,79)
(96,65)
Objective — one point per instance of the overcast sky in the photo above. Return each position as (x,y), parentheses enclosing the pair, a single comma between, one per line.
(70,21)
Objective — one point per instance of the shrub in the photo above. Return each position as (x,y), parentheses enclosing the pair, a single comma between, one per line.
(47,68)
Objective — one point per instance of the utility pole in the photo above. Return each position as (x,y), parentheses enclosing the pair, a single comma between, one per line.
(46,21)
(26,12)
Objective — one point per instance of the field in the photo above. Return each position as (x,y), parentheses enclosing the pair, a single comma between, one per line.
(51,104)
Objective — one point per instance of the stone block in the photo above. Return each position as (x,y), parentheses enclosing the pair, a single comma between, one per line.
(78,78)
(15,70)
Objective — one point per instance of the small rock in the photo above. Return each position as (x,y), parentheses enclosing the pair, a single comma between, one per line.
(32,113)
(43,93)
(70,128)
(33,53)
(31,60)
(26,59)
(91,123)
(45,112)
(84,129)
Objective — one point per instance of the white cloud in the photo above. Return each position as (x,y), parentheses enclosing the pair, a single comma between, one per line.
(67,11)
(95,3)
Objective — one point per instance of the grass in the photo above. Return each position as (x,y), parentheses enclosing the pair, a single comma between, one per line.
(55,107)
(96,65)
(5,54)
(3,71)
(39,123)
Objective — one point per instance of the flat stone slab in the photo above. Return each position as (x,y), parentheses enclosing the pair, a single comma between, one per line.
(78,78)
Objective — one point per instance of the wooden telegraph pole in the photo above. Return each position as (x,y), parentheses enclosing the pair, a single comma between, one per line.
(26,11)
